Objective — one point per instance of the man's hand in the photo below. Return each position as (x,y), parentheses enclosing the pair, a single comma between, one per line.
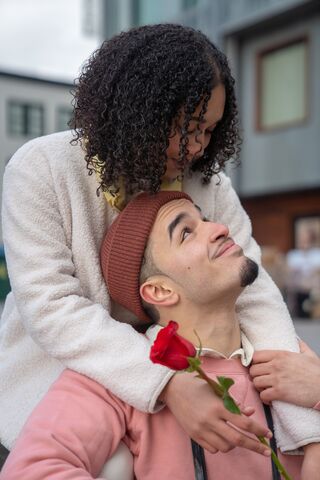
(311,462)
(287,376)
(206,420)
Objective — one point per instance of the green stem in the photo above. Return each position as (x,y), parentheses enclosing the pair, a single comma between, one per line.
(218,390)
(275,460)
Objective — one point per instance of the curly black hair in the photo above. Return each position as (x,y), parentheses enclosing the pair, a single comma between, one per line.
(130,93)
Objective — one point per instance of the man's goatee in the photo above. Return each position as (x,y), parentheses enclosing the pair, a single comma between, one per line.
(249,272)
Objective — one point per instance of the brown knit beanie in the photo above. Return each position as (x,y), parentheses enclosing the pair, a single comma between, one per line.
(123,248)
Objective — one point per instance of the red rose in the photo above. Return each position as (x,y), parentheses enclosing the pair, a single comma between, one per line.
(171,350)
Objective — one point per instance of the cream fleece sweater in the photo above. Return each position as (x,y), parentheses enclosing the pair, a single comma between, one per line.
(58,314)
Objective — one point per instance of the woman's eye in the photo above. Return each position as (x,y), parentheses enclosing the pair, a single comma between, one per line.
(185,232)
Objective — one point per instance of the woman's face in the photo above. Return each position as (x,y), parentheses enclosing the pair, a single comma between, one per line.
(199,135)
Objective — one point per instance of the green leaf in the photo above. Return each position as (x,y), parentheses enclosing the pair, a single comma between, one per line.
(225,383)
(230,404)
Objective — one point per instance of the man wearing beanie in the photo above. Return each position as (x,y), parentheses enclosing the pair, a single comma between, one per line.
(161,261)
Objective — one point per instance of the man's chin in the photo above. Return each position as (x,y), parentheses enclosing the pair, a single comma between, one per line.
(248,272)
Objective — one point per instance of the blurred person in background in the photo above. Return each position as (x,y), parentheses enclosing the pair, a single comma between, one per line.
(155,108)
(274,261)
(303,276)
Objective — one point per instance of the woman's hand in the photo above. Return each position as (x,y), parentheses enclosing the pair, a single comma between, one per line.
(287,376)
(205,419)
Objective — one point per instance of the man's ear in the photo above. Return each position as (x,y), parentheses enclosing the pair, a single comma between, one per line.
(157,291)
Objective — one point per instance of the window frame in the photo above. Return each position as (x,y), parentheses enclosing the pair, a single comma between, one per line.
(304,39)
(26,108)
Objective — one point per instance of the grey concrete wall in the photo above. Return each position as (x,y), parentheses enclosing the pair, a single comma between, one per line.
(286,158)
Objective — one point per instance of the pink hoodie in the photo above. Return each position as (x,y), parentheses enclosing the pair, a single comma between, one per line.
(78,426)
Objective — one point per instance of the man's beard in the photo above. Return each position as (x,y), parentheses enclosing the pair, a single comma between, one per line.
(248,272)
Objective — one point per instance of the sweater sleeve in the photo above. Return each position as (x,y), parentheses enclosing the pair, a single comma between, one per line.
(71,433)
(54,309)
(265,320)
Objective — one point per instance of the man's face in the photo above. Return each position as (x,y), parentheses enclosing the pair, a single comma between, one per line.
(197,255)
(199,136)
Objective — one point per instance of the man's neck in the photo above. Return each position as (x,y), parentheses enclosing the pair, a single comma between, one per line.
(217,328)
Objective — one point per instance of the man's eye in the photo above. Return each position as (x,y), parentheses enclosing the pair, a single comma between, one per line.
(185,232)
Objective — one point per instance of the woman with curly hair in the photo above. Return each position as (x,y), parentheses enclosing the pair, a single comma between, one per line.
(154,109)
(137,96)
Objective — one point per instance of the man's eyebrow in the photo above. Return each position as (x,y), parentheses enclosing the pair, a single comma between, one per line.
(175,222)
(203,217)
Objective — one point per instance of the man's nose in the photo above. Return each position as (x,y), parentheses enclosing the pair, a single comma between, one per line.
(217,230)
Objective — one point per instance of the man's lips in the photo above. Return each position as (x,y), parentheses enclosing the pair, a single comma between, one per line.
(229,243)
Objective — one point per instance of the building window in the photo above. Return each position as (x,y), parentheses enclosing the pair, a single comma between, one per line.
(282,85)
(25,119)
(64,115)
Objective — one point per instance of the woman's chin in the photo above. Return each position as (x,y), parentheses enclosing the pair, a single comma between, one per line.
(171,176)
